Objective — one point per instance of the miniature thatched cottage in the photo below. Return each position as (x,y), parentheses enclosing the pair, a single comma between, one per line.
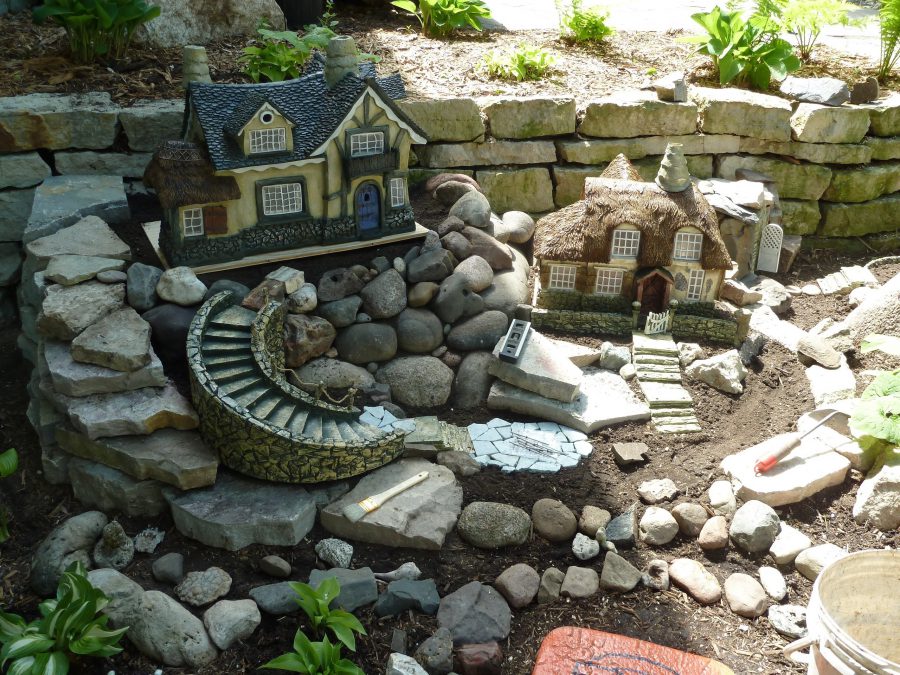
(628,240)
(317,160)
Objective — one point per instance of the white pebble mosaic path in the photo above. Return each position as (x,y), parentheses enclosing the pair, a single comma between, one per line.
(543,447)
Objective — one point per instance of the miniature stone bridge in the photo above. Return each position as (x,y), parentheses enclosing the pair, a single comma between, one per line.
(262,425)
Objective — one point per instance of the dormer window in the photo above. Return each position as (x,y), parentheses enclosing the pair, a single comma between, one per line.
(625,243)
(268,140)
(367,143)
(688,246)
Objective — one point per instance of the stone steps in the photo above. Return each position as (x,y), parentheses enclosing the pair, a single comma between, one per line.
(651,376)
(654,359)
(658,370)
(844,281)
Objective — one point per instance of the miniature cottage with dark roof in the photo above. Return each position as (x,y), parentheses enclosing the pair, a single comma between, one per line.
(628,240)
(318,160)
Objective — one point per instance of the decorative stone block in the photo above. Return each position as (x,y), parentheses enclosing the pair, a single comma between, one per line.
(22,170)
(885,116)
(149,123)
(864,183)
(111,490)
(813,123)
(794,181)
(486,154)
(742,112)
(57,121)
(883,148)
(89,163)
(63,200)
(81,379)
(817,153)
(605,150)
(853,220)
(446,119)
(528,190)
(637,113)
(800,217)
(569,182)
(529,117)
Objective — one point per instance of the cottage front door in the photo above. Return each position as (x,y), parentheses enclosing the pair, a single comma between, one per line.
(368,208)
(655,291)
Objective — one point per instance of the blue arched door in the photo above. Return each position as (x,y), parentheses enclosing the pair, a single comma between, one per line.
(368,208)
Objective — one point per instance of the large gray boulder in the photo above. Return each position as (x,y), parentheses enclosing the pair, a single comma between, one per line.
(510,287)
(419,331)
(493,525)
(475,614)
(473,381)
(335,374)
(417,381)
(69,542)
(367,342)
(167,632)
(199,23)
(478,333)
(385,295)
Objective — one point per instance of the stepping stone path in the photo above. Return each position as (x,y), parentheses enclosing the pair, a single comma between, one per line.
(842,282)
(656,360)
(541,447)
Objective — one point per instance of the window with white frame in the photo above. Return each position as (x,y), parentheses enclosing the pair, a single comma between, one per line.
(192,222)
(695,285)
(282,198)
(562,277)
(398,192)
(688,245)
(368,143)
(625,243)
(609,282)
(268,140)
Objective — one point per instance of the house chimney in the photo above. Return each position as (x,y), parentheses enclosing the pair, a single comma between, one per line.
(341,58)
(673,173)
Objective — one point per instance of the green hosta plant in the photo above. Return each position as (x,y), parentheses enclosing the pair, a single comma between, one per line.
(526,62)
(745,51)
(875,422)
(97,28)
(9,462)
(70,624)
(889,18)
(316,604)
(314,658)
(281,54)
(580,24)
(439,18)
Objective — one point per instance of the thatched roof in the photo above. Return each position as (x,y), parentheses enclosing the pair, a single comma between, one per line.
(582,232)
(181,174)
(621,168)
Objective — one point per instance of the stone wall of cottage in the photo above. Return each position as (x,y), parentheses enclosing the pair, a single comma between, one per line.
(837,169)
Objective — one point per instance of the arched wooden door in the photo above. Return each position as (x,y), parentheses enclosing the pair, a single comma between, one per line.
(653,289)
(368,208)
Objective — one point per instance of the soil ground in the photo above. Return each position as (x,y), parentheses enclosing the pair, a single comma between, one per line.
(776,393)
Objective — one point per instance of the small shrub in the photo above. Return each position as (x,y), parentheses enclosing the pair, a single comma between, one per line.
(745,51)
(314,658)
(282,54)
(526,62)
(97,28)
(9,462)
(889,16)
(579,24)
(70,624)
(806,19)
(439,18)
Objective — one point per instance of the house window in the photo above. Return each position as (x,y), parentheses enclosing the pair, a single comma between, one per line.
(192,222)
(282,198)
(695,285)
(609,282)
(562,277)
(625,243)
(365,144)
(268,140)
(398,192)
(688,245)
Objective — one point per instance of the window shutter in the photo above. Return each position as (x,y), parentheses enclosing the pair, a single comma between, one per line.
(215,220)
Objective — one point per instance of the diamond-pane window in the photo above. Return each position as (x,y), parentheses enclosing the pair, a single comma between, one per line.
(192,222)
(695,285)
(365,144)
(268,140)
(283,198)
(625,243)
(398,192)
(688,245)
(562,277)
(609,282)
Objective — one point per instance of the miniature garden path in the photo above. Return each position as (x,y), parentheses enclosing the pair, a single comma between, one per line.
(655,359)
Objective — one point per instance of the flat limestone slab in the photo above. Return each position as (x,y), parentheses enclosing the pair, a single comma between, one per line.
(765,321)
(131,413)
(806,470)
(82,379)
(581,355)
(830,385)
(420,517)
(665,394)
(68,310)
(88,236)
(238,511)
(68,270)
(179,458)
(605,399)
(541,368)
(120,340)
(654,344)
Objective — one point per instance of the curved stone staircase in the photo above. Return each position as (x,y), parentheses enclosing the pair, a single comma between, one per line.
(260,424)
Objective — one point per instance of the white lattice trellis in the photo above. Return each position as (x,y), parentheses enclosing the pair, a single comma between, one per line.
(657,322)
(770,248)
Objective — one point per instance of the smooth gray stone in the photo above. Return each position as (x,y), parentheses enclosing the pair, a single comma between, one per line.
(62,547)
(340,313)
(475,614)
(22,170)
(358,587)
(141,286)
(403,594)
(276,599)
(169,568)
(167,632)
(64,200)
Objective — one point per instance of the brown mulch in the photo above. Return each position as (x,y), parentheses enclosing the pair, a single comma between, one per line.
(34,59)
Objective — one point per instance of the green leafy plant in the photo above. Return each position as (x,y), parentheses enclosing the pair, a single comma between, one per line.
(875,422)
(526,62)
(806,19)
(70,624)
(889,18)
(97,28)
(316,604)
(281,54)
(9,462)
(889,344)
(745,51)
(314,658)
(439,18)
(582,24)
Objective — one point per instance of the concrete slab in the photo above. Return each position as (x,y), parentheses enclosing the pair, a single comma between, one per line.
(540,368)
(830,385)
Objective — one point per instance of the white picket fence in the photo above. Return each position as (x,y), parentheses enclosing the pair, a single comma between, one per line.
(657,322)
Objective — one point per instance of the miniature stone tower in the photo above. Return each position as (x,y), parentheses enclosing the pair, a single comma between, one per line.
(673,173)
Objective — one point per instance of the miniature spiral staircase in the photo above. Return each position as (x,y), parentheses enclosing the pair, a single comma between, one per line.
(260,424)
